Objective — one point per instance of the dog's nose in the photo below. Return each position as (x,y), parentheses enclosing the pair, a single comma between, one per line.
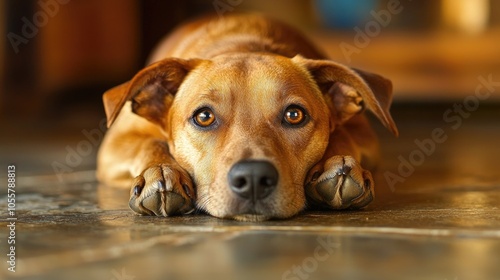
(251,179)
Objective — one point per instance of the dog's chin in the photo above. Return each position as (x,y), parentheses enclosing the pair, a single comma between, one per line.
(250,218)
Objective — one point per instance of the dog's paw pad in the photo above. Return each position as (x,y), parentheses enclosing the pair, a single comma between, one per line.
(347,188)
(162,191)
(342,185)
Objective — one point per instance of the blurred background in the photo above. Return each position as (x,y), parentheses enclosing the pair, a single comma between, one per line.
(439,220)
(59,56)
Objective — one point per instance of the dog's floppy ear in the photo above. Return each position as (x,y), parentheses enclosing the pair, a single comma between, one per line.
(151,90)
(343,85)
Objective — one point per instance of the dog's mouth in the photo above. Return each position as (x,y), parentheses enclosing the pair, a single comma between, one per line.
(250,211)
(251,218)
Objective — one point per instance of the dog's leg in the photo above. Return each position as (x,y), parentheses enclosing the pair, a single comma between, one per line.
(163,188)
(342,184)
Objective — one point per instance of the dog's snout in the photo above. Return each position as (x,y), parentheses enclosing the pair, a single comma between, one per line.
(252,179)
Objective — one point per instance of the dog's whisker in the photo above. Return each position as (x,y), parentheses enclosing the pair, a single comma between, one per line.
(203,199)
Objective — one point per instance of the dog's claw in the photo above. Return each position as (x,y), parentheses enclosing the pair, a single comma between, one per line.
(162,190)
(343,184)
(137,190)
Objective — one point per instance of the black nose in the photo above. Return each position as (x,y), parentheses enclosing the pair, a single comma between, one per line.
(251,179)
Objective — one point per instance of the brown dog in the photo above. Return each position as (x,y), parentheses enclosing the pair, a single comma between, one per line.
(243,118)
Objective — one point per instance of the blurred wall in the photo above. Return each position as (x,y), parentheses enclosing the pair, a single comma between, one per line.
(68,52)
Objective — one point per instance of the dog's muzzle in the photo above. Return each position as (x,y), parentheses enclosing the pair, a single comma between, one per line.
(253,180)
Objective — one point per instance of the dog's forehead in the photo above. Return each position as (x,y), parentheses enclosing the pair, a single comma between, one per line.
(248,66)
(259,75)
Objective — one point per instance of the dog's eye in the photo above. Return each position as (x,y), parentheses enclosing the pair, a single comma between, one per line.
(204,117)
(294,115)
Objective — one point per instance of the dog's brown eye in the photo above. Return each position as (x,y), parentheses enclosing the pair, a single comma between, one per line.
(204,117)
(294,115)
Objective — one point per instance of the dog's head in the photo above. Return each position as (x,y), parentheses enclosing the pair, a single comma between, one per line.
(248,127)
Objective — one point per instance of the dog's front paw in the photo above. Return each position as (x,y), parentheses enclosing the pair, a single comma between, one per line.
(343,184)
(162,190)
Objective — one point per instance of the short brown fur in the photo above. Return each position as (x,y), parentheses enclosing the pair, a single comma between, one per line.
(247,69)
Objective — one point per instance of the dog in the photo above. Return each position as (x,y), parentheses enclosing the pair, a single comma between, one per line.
(243,118)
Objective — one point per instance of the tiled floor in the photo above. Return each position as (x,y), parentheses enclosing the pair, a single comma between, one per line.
(439,219)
